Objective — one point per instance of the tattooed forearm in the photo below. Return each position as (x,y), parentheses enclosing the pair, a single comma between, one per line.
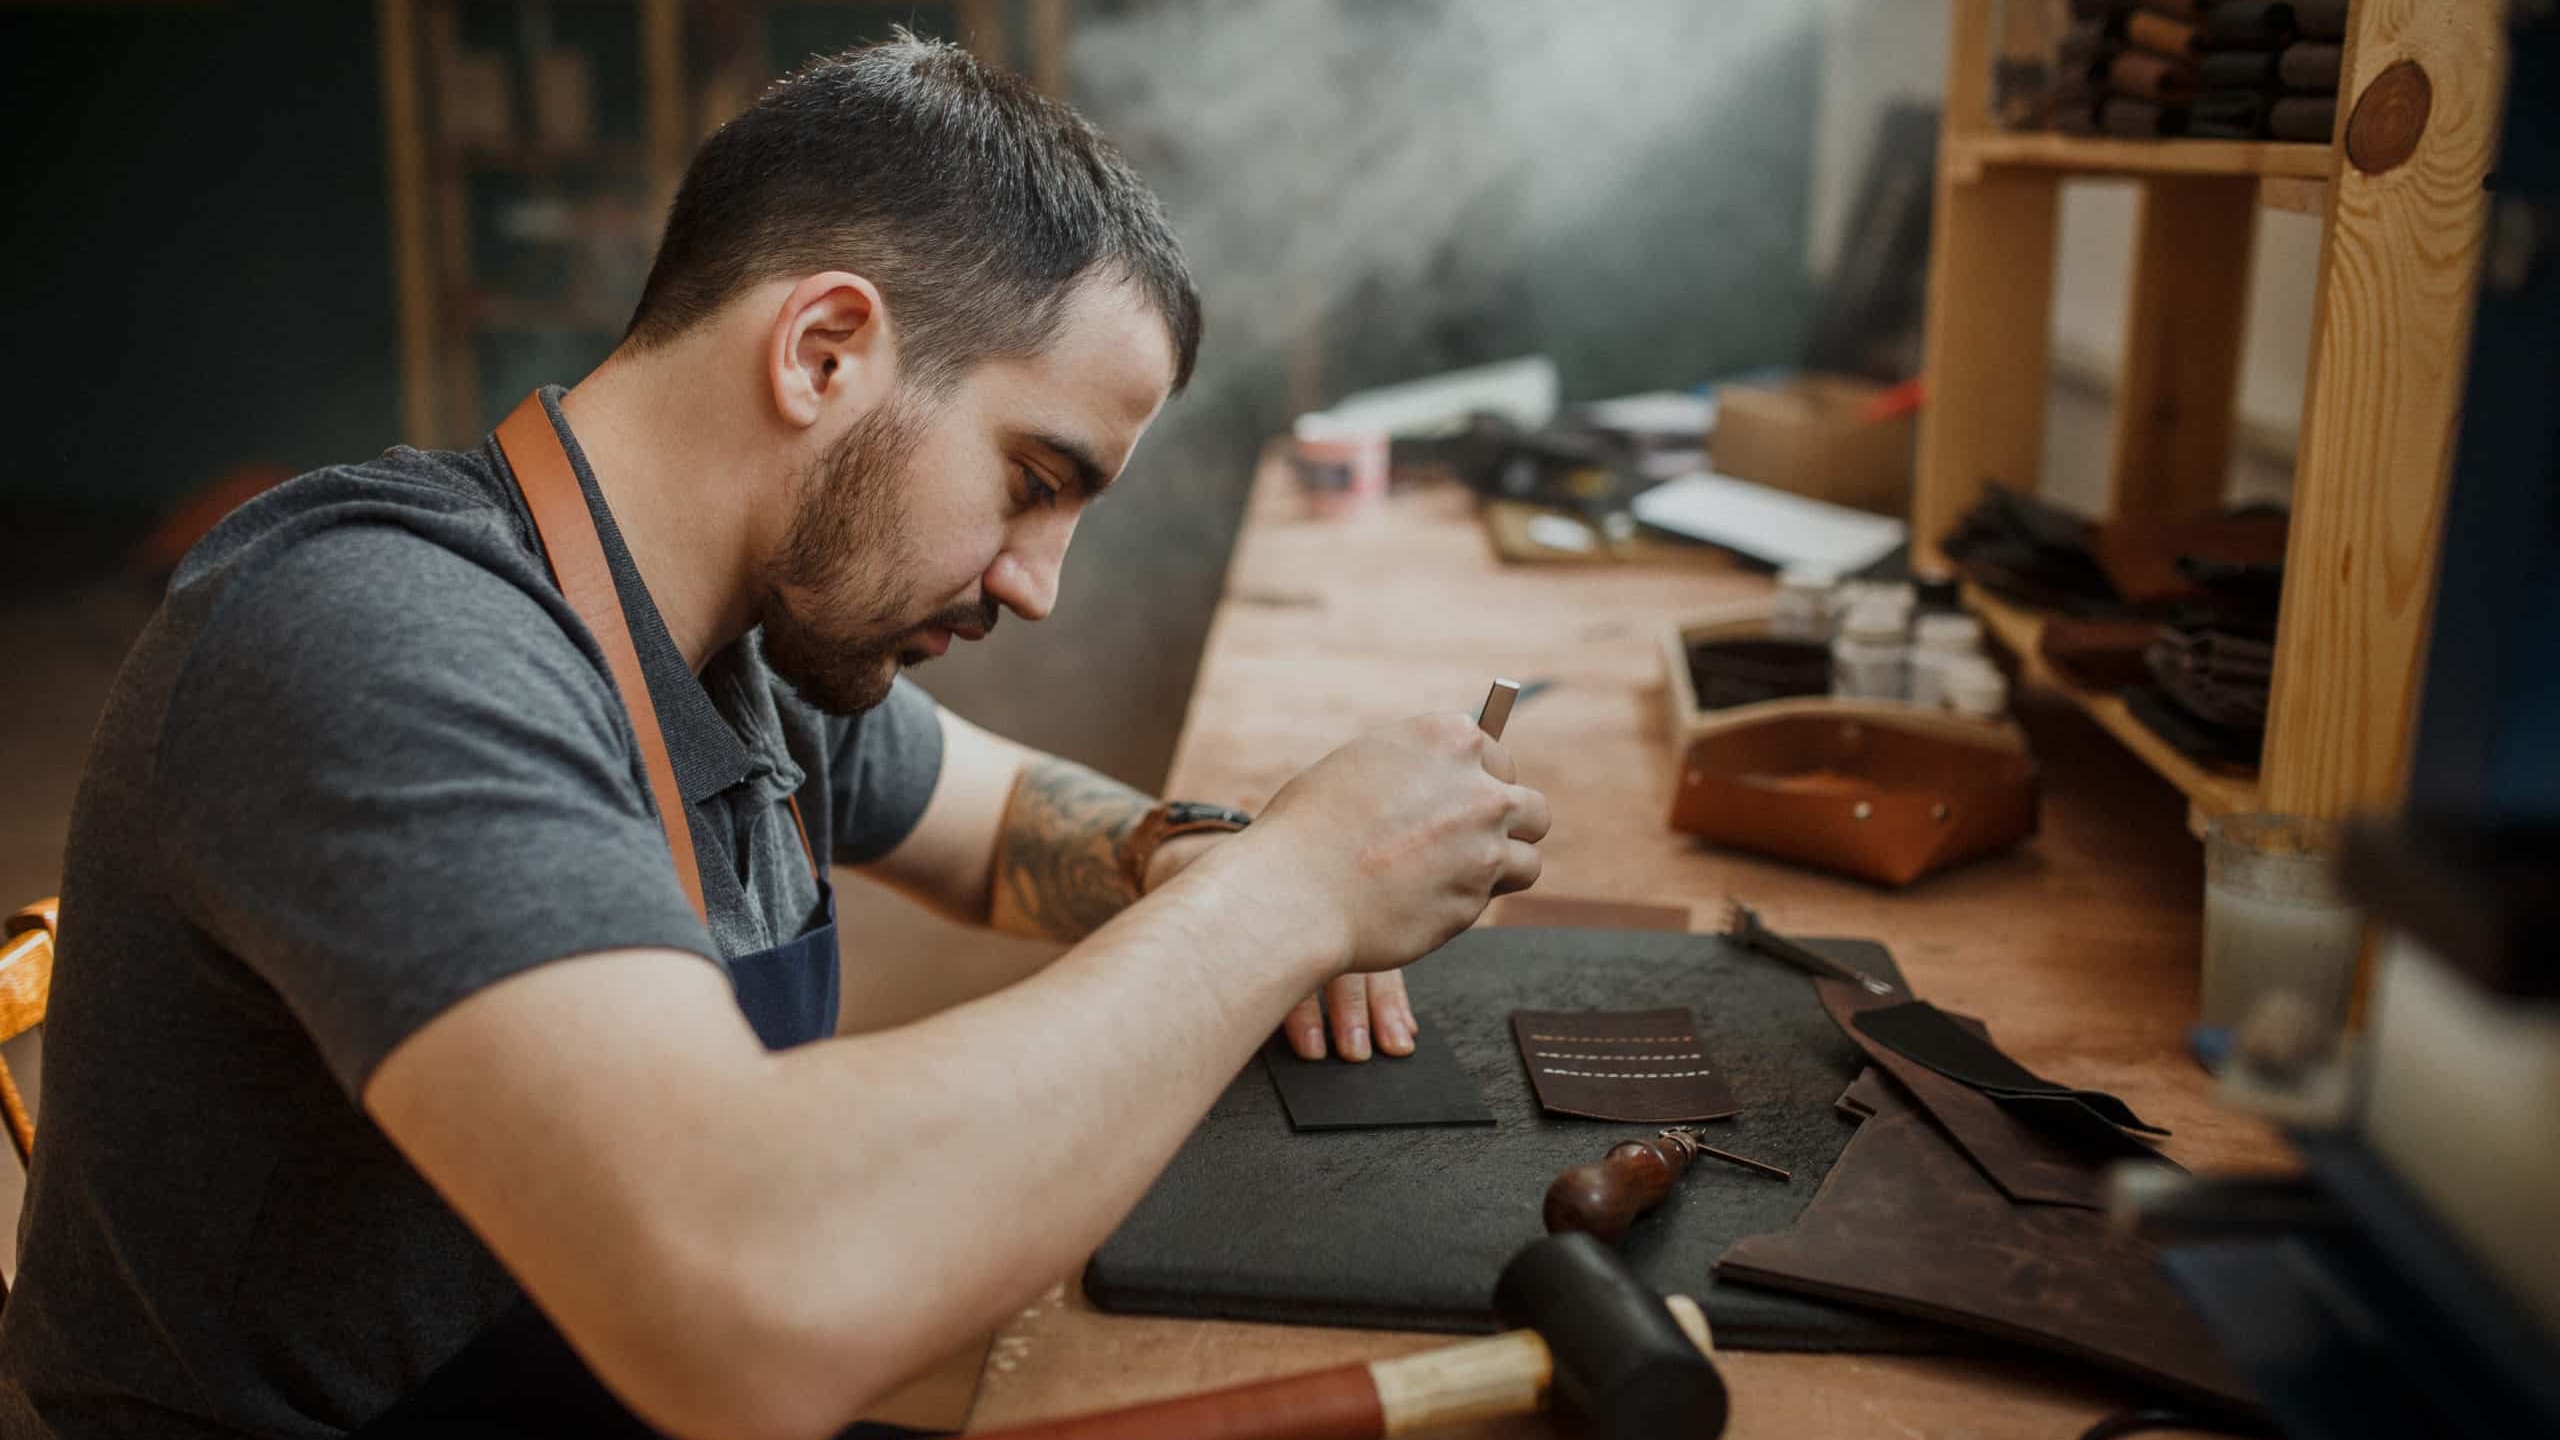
(1058,870)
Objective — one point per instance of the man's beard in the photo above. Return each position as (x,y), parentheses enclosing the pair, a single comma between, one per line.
(837,622)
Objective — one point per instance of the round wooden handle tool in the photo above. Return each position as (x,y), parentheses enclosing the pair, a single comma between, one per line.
(1505,1374)
(1603,1198)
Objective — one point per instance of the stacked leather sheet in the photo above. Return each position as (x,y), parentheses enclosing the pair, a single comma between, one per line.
(2268,70)
(2226,69)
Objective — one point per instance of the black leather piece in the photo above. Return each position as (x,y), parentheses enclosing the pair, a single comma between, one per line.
(1424,1088)
(2249,24)
(1409,1228)
(2242,70)
(1923,1032)
(2196,739)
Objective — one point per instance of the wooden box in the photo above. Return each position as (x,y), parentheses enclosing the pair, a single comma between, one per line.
(1809,435)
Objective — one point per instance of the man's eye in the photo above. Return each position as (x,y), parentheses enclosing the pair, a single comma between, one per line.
(1036,492)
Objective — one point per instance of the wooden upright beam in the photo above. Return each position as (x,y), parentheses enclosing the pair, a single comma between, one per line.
(1047,21)
(1990,293)
(668,97)
(2184,315)
(2392,328)
(412,247)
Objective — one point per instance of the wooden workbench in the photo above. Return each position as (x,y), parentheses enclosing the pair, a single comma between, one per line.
(2080,948)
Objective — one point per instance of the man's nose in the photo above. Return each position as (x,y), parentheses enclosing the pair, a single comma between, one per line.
(1024,578)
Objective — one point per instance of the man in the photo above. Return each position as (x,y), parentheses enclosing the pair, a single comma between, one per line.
(386,997)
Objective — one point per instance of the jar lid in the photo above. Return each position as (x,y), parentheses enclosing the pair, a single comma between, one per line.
(1801,576)
(1976,688)
(1875,622)
(1948,632)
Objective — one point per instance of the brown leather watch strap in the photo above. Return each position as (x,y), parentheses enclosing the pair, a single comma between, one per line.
(568,531)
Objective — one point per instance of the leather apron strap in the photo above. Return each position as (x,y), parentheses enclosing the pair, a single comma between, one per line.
(568,531)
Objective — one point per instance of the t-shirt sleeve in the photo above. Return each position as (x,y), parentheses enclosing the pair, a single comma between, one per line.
(881,772)
(389,778)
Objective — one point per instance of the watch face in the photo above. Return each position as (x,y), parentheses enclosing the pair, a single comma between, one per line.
(1186,812)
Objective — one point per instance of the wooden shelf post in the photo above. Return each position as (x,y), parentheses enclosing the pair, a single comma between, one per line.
(1990,294)
(2397,278)
(2184,313)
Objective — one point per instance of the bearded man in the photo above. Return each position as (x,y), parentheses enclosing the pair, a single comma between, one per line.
(443,1032)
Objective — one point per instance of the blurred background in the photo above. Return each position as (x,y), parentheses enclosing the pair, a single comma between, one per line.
(253,238)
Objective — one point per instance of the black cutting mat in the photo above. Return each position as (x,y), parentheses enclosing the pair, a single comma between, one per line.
(1406,1229)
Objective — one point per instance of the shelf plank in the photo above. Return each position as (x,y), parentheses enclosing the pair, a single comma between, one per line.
(2095,155)
(2208,794)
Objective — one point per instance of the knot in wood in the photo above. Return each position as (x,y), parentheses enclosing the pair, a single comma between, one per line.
(2390,118)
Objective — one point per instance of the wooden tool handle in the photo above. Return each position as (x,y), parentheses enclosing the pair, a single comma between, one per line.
(1506,1374)
(1336,1404)
(1604,1197)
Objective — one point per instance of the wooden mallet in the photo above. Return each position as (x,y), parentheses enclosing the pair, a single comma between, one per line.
(1613,1360)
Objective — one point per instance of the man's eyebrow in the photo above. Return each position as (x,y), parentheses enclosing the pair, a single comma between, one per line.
(1090,477)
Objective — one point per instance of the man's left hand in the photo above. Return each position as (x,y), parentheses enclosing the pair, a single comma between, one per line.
(1368,1013)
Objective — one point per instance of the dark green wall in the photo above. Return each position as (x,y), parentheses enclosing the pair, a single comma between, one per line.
(196,271)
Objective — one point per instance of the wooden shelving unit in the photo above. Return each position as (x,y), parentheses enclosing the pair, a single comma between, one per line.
(698,62)
(2400,194)
(2086,155)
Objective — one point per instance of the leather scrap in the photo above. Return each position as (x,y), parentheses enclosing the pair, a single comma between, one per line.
(1923,1032)
(1902,1224)
(2028,1164)
(1427,1087)
(1638,1066)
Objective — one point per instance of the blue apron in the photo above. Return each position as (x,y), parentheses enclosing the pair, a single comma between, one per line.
(518,1379)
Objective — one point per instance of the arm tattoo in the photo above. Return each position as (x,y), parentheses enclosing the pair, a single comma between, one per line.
(1058,870)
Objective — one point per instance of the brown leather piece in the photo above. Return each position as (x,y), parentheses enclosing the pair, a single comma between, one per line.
(1638,1066)
(2098,654)
(2162,33)
(2027,1164)
(1572,912)
(1867,800)
(2149,76)
(1903,1224)
(1864,1095)
(568,531)
(2140,556)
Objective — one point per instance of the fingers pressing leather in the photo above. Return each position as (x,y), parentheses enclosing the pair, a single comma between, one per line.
(1304,1025)
(1346,1001)
(1390,1013)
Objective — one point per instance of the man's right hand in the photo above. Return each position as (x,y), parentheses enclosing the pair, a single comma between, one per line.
(1405,835)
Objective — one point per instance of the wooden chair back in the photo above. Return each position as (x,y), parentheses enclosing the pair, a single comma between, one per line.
(26,986)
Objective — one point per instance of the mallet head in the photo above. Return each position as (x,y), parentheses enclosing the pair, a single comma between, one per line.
(1624,1369)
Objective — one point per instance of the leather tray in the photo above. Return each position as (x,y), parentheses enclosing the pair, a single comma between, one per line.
(1869,789)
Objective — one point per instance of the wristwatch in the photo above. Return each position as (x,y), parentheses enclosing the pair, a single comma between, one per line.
(1173,817)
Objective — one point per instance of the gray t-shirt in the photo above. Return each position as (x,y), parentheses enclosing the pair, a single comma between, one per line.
(364,762)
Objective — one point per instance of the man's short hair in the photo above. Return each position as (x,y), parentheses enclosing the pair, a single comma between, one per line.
(974,202)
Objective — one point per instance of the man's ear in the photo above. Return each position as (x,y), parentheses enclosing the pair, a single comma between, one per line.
(829,347)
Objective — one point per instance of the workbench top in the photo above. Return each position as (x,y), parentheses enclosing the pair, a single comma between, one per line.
(2079,948)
